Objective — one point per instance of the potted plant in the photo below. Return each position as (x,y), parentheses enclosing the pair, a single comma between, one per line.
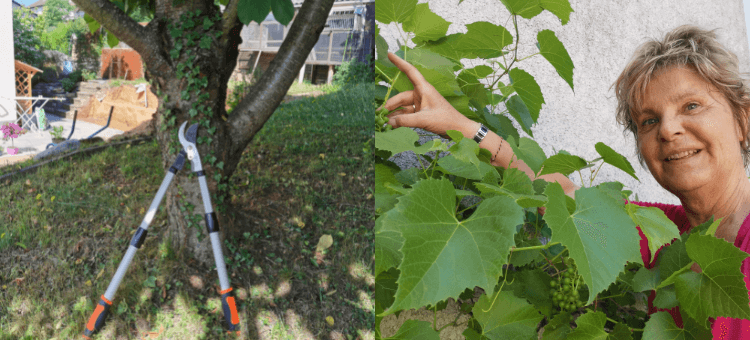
(57,134)
(11,131)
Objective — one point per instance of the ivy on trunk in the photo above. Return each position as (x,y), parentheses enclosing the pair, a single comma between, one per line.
(190,50)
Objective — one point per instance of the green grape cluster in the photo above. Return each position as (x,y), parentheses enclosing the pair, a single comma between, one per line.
(565,288)
(381,120)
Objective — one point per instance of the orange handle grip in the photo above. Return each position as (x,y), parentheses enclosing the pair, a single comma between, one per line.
(96,321)
(230,310)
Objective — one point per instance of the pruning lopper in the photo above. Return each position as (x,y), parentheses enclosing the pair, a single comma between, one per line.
(189,151)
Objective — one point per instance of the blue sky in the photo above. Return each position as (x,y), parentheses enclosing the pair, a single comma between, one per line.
(26,2)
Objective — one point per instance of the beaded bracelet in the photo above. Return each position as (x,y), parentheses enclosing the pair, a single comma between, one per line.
(498,150)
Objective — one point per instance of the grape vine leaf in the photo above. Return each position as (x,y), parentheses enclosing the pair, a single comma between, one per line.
(520,112)
(671,262)
(529,91)
(610,156)
(591,326)
(620,332)
(446,47)
(484,40)
(525,8)
(657,227)
(385,289)
(533,284)
(528,151)
(523,200)
(436,69)
(404,139)
(522,258)
(480,71)
(645,279)
(560,8)
(720,289)
(415,329)
(666,298)
(388,243)
(505,316)
(395,10)
(407,176)
(599,235)
(558,328)
(661,325)
(516,181)
(463,161)
(382,51)
(475,90)
(397,140)
(384,198)
(425,24)
(442,256)
(500,125)
(553,50)
(564,164)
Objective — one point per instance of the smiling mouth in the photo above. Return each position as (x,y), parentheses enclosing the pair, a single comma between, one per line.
(685,157)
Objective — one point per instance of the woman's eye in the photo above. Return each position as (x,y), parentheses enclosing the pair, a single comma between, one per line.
(692,106)
(645,122)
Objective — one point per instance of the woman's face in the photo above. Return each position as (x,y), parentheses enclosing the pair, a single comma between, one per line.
(682,112)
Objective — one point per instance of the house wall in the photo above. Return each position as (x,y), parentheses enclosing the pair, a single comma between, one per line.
(600,37)
(7,68)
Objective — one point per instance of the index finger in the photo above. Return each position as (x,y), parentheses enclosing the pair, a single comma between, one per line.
(411,72)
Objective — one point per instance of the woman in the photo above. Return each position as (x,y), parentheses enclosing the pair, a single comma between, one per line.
(687,107)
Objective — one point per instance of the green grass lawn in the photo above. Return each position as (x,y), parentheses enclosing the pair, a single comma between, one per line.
(308,173)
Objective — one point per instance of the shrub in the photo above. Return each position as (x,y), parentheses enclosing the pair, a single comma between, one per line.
(49,74)
(76,76)
(68,84)
(88,75)
(353,72)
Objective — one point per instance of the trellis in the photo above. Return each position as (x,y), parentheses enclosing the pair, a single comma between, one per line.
(24,73)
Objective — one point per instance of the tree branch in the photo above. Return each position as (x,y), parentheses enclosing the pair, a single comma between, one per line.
(141,39)
(230,17)
(264,97)
(230,37)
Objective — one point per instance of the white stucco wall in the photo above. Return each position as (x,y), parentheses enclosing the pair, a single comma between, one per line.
(601,36)
(7,69)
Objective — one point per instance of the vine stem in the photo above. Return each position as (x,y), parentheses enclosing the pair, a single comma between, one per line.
(505,278)
(558,255)
(450,323)
(597,172)
(579,175)
(524,58)
(434,322)
(514,249)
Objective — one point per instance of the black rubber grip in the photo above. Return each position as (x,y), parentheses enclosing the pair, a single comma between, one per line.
(212,223)
(139,237)
(96,321)
(178,163)
(200,173)
(230,311)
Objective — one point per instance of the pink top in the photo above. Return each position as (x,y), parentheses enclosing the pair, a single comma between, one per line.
(723,328)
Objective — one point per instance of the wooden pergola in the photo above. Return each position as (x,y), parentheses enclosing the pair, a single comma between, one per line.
(24,72)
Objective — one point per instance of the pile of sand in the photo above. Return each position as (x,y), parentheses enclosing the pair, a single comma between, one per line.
(130,113)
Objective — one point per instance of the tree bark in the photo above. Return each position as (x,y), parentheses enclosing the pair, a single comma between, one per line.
(225,136)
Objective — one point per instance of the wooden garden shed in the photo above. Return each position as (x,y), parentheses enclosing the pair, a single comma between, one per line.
(24,72)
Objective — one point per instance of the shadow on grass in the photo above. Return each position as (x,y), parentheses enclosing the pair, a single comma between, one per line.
(65,228)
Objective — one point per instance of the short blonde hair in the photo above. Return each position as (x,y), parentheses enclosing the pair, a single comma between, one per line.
(687,46)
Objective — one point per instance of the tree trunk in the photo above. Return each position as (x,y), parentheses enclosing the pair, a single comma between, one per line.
(188,61)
